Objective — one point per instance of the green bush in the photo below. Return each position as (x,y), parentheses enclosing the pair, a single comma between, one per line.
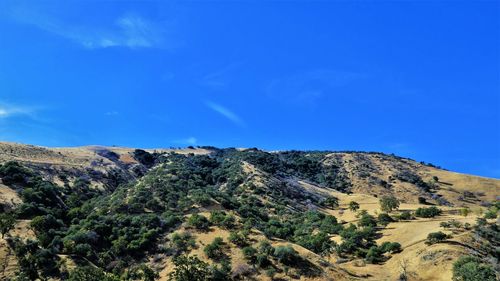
(319,243)
(392,247)
(199,222)
(249,253)
(405,215)
(428,212)
(13,173)
(353,206)
(435,237)
(181,242)
(384,219)
(86,273)
(239,238)
(367,220)
(286,254)
(469,268)
(214,250)
(266,248)
(221,219)
(374,255)
(189,269)
(7,223)
(331,202)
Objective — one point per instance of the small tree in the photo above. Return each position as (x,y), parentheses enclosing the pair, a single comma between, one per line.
(389,203)
(428,212)
(367,220)
(214,250)
(384,219)
(199,222)
(189,269)
(331,202)
(405,215)
(353,206)
(7,223)
(392,247)
(285,254)
(374,255)
(435,237)
(239,238)
(250,253)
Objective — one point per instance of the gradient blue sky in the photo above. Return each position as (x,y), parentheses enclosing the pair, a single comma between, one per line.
(415,78)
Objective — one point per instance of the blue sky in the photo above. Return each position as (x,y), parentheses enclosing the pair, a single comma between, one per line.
(415,78)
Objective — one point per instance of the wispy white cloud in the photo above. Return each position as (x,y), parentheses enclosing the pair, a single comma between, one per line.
(131,31)
(187,141)
(10,110)
(231,116)
(111,113)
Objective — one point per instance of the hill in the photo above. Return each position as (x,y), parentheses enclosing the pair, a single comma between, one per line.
(138,214)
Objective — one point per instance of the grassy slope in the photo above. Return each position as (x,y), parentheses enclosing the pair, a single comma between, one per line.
(425,262)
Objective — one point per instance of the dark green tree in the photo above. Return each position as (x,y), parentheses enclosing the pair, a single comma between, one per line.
(353,206)
(469,268)
(189,269)
(389,203)
(7,223)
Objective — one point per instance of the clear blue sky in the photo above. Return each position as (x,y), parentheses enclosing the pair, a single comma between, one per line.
(415,78)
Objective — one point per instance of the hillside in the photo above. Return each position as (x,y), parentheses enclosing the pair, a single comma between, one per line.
(128,214)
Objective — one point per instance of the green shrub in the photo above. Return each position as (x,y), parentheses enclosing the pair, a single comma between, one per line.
(384,219)
(331,202)
(286,254)
(14,173)
(367,220)
(189,269)
(86,273)
(392,247)
(469,268)
(181,242)
(214,250)
(239,238)
(435,237)
(374,255)
(428,212)
(405,215)
(199,222)
(221,219)
(353,206)
(7,223)
(249,253)
(266,248)
(319,243)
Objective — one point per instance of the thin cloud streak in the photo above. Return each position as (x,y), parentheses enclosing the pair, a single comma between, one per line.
(228,114)
(130,31)
(9,110)
(187,141)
